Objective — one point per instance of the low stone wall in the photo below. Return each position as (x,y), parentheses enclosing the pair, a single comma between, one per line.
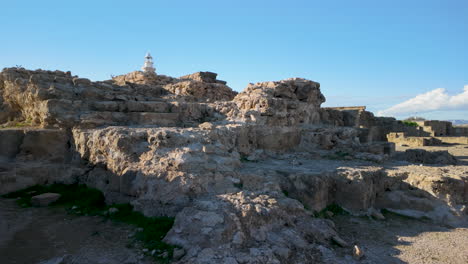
(453,140)
(346,108)
(401,139)
(460,131)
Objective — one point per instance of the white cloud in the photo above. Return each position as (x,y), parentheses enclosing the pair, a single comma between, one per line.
(435,100)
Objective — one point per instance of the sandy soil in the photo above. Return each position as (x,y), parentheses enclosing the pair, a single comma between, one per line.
(399,239)
(402,240)
(46,235)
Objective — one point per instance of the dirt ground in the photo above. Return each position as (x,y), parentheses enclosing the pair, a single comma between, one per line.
(402,240)
(50,235)
(458,150)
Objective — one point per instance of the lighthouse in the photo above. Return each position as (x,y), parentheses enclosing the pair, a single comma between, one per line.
(148,66)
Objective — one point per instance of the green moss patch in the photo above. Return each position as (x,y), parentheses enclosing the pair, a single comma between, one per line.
(17,124)
(82,200)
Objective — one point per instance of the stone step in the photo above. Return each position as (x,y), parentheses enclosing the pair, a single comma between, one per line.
(130,106)
(158,119)
(96,119)
(148,106)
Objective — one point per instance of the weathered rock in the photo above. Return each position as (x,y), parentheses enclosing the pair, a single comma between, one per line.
(142,78)
(428,157)
(241,219)
(200,86)
(113,210)
(178,253)
(357,253)
(376,214)
(201,91)
(207,77)
(284,103)
(44,199)
(339,241)
(242,177)
(36,156)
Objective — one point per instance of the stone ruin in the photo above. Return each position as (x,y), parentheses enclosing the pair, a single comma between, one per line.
(242,173)
(431,133)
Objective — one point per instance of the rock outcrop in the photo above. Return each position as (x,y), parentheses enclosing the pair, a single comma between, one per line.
(198,87)
(245,175)
(284,103)
(36,156)
(59,100)
(428,157)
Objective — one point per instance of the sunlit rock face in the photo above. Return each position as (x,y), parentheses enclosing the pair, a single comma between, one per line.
(283,103)
(59,100)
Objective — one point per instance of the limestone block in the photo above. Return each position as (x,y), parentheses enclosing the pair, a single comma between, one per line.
(106,106)
(10,142)
(44,199)
(157,119)
(147,106)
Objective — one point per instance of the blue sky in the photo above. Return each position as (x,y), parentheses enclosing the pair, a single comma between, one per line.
(374,53)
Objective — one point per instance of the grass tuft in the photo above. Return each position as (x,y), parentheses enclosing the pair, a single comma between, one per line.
(334,208)
(17,124)
(89,200)
(410,123)
(338,155)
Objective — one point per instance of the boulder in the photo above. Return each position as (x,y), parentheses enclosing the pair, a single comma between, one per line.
(357,252)
(44,199)
(207,77)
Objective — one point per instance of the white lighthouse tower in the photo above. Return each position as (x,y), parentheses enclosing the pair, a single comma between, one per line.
(148,66)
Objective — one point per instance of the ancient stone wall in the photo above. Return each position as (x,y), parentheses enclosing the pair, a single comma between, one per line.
(347,108)
(436,128)
(371,128)
(58,99)
(453,140)
(460,131)
(401,139)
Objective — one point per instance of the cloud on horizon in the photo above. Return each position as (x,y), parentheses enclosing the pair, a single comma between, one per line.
(435,100)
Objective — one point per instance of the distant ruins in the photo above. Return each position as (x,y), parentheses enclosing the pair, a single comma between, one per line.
(431,133)
(243,173)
